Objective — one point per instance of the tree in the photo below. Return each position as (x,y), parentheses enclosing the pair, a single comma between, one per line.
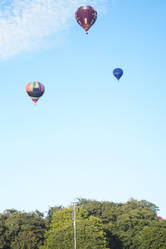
(152,236)
(24,230)
(100,225)
(129,224)
(51,211)
(4,242)
(121,221)
(90,233)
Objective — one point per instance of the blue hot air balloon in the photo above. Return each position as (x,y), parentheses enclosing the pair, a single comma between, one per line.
(118,72)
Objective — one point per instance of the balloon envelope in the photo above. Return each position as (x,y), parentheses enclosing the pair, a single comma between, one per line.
(35,90)
(118,72)
(86,17)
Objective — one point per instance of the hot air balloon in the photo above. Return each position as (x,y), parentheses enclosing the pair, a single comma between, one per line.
(118,72)
(86,17)
(35,90)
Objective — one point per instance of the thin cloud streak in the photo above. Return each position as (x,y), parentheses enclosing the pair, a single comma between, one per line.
(25,23)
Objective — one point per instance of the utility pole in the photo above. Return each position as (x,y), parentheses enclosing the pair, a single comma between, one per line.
(74,224)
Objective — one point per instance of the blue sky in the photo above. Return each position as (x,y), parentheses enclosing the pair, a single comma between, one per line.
(88,136)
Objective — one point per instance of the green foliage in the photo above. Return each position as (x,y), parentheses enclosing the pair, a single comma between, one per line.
(122,222)
(4,242)
(134,204)
(152,236)
(90,233)
(93,207)
(129,224)
(21,230)
(100,225)
(51,211)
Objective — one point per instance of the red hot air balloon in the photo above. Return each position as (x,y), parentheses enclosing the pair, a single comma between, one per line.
(86,17)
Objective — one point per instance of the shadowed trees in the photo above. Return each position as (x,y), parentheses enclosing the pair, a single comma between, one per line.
(21,230)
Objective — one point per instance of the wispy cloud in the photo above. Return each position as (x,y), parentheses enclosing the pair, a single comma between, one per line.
(25,23)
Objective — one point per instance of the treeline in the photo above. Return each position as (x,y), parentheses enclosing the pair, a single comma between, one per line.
(100,225)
